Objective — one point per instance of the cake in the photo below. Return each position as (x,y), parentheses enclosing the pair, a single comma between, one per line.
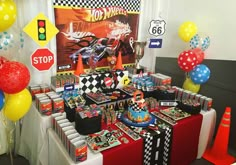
(137,109)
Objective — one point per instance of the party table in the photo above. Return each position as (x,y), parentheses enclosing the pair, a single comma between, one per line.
(125,153)
(57,154)
(34,139)
(189,139)
(36,143)
(207,131)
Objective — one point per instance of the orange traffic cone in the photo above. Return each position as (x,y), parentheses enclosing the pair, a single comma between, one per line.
(218,153)
(79,68)
(119,62)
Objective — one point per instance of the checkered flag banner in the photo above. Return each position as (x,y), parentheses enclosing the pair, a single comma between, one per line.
(129,5)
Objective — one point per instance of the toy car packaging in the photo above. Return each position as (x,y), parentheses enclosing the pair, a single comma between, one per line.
(95,30)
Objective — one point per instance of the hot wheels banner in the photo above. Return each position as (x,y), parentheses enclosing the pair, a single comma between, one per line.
(96,30)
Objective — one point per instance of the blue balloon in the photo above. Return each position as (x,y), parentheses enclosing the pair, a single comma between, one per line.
(200,41)
(200,74)
(2,99)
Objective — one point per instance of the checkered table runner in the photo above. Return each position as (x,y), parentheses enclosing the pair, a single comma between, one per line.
(154,147)
(148,142)
(167,146)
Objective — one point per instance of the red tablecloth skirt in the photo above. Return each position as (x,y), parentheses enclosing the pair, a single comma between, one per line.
(185,139)
(125,154)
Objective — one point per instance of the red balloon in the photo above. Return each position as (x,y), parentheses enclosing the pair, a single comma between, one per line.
(2,61)
(14,77)
(199,54)
(187,60)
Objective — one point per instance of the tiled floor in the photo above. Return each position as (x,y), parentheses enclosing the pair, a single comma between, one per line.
(201,162)
(19,160)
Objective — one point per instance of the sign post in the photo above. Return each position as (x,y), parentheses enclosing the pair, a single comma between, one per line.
(42,59)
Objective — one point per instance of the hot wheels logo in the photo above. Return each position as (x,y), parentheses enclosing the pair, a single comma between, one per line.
(99,14)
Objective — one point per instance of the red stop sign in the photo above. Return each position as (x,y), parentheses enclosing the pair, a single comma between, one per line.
(42,59)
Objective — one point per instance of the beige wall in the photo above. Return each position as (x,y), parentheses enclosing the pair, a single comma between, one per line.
(214,18)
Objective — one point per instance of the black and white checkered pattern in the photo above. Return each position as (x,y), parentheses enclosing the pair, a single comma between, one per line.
(89,83)
(158,147)
(118,114)
(148,139)
(167,145)
(128,66)
(153,147)
(120,75)
(93,82)
(129,5)
(134,107)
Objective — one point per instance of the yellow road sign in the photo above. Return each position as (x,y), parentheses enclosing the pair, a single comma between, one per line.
(41,30)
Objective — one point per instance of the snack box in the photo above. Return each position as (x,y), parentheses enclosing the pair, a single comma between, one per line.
(34,89)
(79,151)
(67,133)
(54,96)
(58,120)
(50,93)
(44,88)
(69,137)
(53,119)
(61,126)
(55,81)
(39,96)
(45,107)
(58,105)
(207,104)
(75,140)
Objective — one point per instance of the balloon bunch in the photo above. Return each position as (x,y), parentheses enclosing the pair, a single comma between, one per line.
(191,60)
(15,99)
(11,36)
(7,14)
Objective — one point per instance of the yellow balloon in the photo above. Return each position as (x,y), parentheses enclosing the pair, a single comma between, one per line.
(187,30)
(7,14)
(191,86)
(17,105)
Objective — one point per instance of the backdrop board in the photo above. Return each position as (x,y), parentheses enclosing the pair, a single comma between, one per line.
(96,30)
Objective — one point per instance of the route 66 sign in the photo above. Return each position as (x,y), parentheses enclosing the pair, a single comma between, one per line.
(157,27)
